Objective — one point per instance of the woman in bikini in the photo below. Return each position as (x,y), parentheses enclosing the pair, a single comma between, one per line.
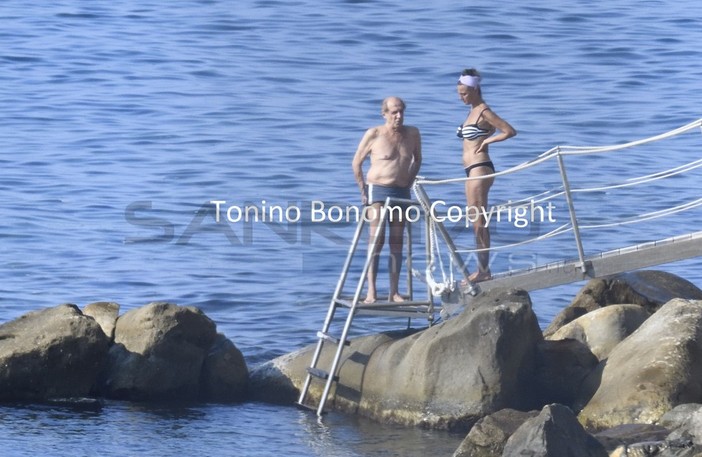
(477,132)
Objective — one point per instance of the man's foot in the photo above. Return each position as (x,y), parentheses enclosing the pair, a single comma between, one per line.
(370,299)
(479,276)
(397,298)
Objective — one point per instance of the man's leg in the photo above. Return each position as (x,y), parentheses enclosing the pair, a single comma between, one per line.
(396,234)
(374,248)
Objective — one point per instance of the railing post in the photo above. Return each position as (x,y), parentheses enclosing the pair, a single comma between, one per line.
(571,210)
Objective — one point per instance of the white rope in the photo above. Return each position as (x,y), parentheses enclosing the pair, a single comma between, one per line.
(648,216)
(568,150)
(644,179)
(437,288)
(565,228)
(580,150)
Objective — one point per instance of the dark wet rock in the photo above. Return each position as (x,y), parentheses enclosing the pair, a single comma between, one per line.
(561,368)
(647,288)
(487,438)
(225,376)
(554,432)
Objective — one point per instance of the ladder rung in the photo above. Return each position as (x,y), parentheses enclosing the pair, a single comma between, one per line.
(305,407)
(348,302)
(331,339)
(321,374)
(395,313)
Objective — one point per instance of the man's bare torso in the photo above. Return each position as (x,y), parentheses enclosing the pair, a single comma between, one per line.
(391,155)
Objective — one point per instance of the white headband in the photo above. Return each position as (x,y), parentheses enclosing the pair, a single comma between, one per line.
(470,81)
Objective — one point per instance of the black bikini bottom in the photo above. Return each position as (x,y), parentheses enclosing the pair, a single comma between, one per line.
(487,163)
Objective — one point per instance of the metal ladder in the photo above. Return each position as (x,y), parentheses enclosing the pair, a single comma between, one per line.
(410,309)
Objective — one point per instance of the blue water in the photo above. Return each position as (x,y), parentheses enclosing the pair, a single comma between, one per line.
(121,120)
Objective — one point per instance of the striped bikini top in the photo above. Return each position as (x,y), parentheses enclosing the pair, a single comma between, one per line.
(474,131)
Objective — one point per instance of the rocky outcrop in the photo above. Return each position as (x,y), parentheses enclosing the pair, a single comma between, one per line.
(476,370)
(447,376)
(655,369)
(554,432)
(647,288)
(54,353)
(160,352)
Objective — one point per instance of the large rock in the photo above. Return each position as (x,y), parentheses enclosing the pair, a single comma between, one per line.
(554,432)
(656,368)
(106,314)
(487,438)
(51,354)
(688,430)
(601,330)
(447,376)
(561,368)
(647,288)
(158,353)
(280,380)
(225,376)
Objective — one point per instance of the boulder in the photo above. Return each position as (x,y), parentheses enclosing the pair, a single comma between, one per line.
(158,353)
(680,415)
(602,329)
(105,314)
(656,368)
(51,354)
(280,380)
(647,288)
(488,436)
(447,376)
(689,431)
(554,432)
(561,368)
(225,376)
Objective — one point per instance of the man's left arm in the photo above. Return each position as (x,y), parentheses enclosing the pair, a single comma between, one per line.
(416,156)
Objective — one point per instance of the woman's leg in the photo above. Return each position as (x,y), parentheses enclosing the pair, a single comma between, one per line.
(477,198)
